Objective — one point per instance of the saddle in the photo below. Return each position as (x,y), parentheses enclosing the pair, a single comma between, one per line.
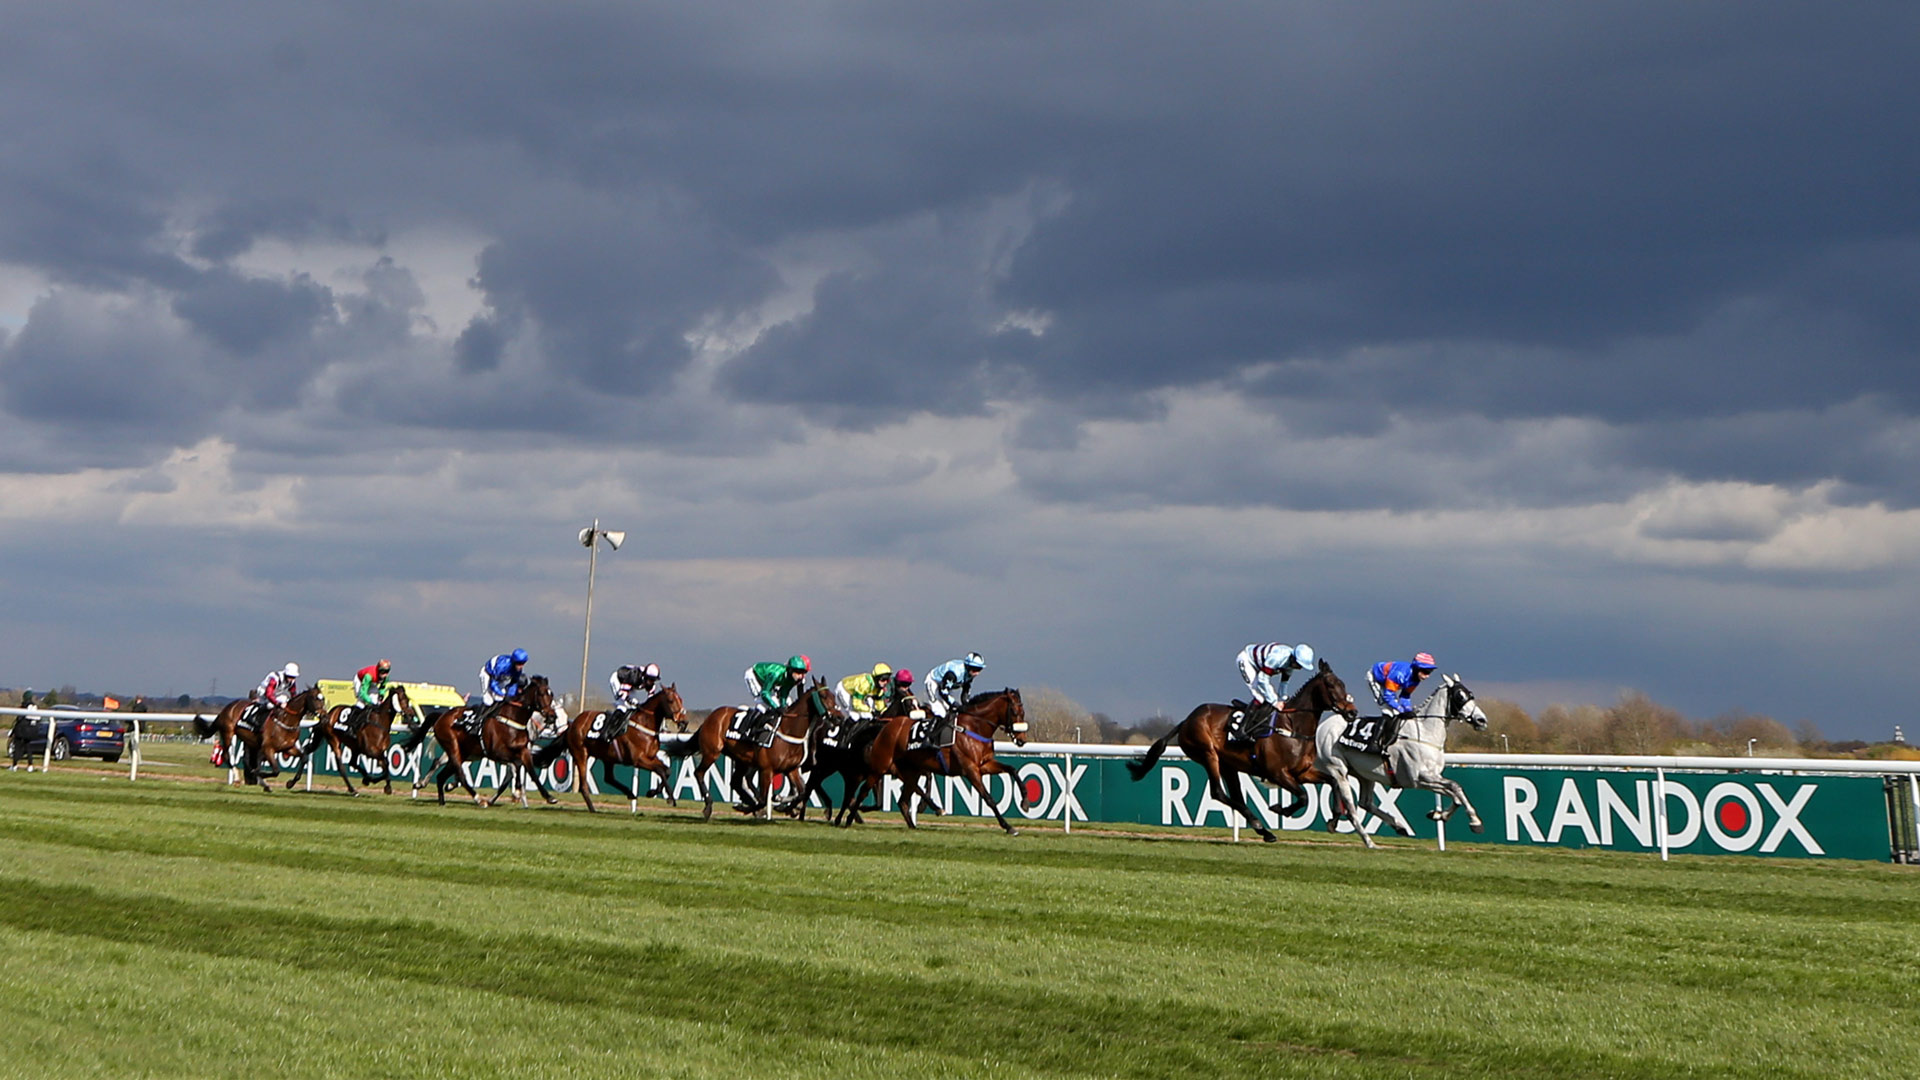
(1249,722)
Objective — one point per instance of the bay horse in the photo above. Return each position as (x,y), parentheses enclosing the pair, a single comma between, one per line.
(971,754)
(504,738)
(274,731)
(1413,760)
(1284,756)
(787,754)
(369,738)
(638,746)
(841,750)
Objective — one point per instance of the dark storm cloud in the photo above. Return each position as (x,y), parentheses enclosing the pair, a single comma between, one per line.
(1637,213)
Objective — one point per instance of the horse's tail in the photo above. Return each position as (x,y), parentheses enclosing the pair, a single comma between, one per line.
(1138,766)
(203,727)
(415,734)
(551,752)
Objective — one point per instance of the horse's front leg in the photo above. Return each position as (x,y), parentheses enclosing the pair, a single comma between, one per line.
(1457,799)
(539,782)
(977,777)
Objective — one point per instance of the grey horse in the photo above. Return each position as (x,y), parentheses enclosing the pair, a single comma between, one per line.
(1413,760)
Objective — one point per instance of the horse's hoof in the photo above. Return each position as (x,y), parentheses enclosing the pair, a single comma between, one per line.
(1011,831)
(551,800)
(1435,815)
(1476,826)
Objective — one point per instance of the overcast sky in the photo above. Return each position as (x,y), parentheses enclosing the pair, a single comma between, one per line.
(1574,344)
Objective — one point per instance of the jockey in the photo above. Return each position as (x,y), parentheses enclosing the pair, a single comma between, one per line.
(632,685)
(867,694)
(1393,683)
(1259,664)
(500,678)
(902,694)
(774,687)
(949,685)
(369,689)
(276,689)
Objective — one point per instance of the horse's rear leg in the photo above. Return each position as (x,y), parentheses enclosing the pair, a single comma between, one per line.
(539,782)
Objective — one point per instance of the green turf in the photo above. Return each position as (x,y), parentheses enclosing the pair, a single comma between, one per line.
(186,929)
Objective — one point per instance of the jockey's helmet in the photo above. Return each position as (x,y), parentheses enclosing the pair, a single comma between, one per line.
(652,671)
(1423,661)
(1303,655)
(974,662)
(291,671)
(800,664)
(383,666)
(903,677)
(519,656)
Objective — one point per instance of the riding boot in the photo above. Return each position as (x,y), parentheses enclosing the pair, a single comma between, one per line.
(1383,735)
(616,724)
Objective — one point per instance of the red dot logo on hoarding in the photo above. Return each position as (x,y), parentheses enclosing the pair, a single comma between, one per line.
(1732,814)
(1030,791)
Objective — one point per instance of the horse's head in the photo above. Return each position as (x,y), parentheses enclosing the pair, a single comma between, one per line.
(1461,704)
(668,706)
(820,703)
(398,700)
(1015,720)
(1324,693)
(308,702)
(538,696)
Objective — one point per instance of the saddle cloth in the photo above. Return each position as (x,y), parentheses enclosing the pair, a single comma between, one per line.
(755,726)
(598,729)
(930,733)
(1359,734)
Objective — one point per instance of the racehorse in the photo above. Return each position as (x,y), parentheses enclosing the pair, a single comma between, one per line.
(368,739)
(841,750)
(1413,760)
(273,731)
(971,754)
(503,737)
(638,746)
(787,753)
(1284,756)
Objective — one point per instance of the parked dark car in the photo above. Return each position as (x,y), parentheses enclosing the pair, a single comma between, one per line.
(73,736)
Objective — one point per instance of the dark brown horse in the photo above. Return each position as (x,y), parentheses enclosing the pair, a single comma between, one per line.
(971,754)
(504,738)
(787,754)
(266,734)
(1284,756)
(841,750)
(638,746)
(368,738)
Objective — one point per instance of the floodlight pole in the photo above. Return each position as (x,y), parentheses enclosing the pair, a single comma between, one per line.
(590,538)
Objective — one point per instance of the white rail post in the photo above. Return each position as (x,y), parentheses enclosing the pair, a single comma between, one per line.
(1913,786)
(46,759)
(1660,808)
(1439,824)
(133,755)
(1066,805)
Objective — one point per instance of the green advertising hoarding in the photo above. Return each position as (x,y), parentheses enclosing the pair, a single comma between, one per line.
(1705,813)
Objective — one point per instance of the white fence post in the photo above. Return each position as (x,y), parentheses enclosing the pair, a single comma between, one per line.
(1066,806)
(46,760)
(1660,809)
(133,752)
(1439,824)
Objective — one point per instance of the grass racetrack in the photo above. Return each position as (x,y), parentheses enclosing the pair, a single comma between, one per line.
(186,929)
